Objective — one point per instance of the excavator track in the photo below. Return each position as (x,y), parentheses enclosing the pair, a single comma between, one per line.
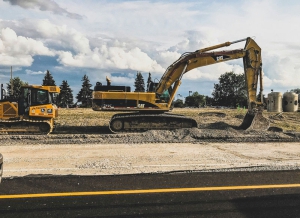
(136,122)
(25,127)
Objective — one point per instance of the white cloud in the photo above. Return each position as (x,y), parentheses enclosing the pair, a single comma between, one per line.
(148,36)
(18,50)
(74,50)
(149,20)
(212,72)
(18,60)
(61,36)
(194,40)
(166,58)
(14,45)
(30,72)
(111,58)
(197,40)
(44,6)
(281,72)
(122,80)
(58,37)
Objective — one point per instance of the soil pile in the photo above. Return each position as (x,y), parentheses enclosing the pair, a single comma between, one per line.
(83,126)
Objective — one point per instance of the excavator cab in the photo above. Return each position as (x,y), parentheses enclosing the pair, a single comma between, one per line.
(152,86)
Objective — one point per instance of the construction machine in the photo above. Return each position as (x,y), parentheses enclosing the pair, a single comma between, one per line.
(32,113)
(150,108)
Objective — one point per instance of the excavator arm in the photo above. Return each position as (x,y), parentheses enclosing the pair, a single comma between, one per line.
(191,60)
(251,55)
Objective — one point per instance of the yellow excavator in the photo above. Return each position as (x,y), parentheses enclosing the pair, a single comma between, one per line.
(150,108)
(32,113)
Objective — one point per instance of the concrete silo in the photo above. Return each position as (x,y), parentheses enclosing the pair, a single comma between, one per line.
(274,102)
(290,102)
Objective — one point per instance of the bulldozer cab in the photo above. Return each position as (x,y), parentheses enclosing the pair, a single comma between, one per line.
(32,97)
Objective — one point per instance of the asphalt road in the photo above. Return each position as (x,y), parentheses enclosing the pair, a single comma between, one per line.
(222,194)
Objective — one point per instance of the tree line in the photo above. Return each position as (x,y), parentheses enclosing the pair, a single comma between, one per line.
(230,91)
(65,97)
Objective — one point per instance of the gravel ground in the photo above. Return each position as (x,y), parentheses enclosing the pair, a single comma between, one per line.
(112,159)
(193,135)
(82,146)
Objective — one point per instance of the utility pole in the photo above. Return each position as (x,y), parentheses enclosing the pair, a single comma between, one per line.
(178,95)
(11,82)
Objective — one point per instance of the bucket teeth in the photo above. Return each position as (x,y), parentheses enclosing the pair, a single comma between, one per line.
(255,121)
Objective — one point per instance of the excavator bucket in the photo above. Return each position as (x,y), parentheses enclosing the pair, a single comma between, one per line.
(255,121)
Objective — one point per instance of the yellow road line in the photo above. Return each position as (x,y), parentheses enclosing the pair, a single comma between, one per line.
(146,191)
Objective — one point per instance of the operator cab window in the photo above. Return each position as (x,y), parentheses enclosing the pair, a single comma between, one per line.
(39,97)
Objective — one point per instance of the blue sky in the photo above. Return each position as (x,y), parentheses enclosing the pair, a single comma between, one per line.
(118,38)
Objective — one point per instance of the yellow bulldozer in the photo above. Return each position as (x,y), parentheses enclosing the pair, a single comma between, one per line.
(32,113)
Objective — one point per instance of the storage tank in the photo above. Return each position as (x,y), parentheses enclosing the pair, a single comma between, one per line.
(290,102)
(274,102)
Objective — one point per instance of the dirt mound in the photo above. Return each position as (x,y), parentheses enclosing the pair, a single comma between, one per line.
(82,126)
(217,114)
(222,133)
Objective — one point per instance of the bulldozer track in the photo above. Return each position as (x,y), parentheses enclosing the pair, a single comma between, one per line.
(25,127)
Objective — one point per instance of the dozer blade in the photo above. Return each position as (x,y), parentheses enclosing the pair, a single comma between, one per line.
(255,121)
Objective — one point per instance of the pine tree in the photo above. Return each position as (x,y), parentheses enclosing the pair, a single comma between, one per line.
(17,83)
(85,94)
(139,83)
(65,97)
(149,82)
(48,79)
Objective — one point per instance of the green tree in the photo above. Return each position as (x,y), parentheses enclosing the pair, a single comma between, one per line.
(65,97)
(297,90)
(139,83)
(231,90)
(209,101)
(48,79)
(195,100)
(149,82)
(17,83)
(85,94)
(178,103)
